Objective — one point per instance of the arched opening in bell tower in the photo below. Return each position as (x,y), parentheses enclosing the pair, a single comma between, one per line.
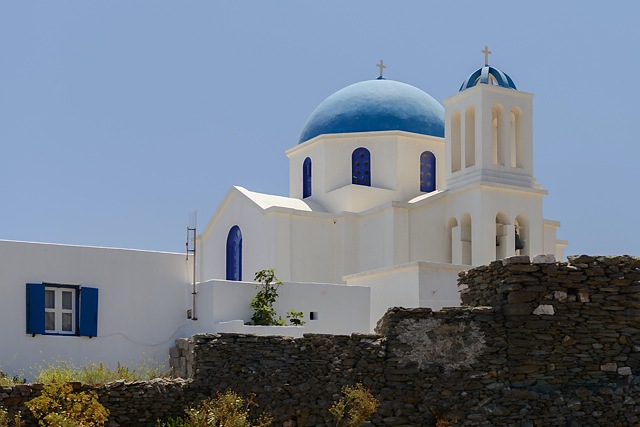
(497,134)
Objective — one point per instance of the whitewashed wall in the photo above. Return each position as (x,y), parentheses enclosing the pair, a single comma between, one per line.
(143,298)
(340,309)
(416,284)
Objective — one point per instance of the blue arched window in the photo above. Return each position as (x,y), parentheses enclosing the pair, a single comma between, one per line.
(306,178)
(361,167)
(234,254)
(427,172)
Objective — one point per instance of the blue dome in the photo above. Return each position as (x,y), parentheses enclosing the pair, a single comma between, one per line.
(376,105)
(488,75)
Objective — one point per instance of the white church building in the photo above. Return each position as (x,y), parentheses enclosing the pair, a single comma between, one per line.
(391,196)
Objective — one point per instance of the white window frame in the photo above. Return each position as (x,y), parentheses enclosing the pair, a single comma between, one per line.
(58,310)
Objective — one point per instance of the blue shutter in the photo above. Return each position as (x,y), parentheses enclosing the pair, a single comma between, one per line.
(234,254)
(88,312)
(361,167)
(306,178)
(427,172)
(35,308)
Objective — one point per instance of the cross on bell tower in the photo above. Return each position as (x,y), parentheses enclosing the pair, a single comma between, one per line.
(486,52)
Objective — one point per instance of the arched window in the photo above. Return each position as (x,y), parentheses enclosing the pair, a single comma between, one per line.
(306,178)
(361,167)
(466,239)
(522,235)
(470,137)
(455,142)
(516,139)
(503,248)
(453,247)
(427,172)
(234,254)
(497,132)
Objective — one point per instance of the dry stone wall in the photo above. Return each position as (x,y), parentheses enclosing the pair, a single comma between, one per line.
(131,403)
(535,344)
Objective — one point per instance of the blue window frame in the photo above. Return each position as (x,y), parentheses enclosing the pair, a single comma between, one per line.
(306,178)
(361,167)
(427,172)
(59,309)
(234,254)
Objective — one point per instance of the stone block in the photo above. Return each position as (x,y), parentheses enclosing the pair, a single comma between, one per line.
(609,367)
(517,297)
(544,309)
(624,370)
(174,352)
(544,259)
(523,309)
(518,259)
(560,296)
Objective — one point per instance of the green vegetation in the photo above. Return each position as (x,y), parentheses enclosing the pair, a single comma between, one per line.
(97,373)
(224,410)
(295,318)
(357,405)
(6,380)
(262,304)
(5,419)
(60,406)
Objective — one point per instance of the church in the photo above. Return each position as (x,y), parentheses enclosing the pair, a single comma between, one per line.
(391,195)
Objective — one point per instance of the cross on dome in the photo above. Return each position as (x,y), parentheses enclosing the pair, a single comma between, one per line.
(382,67)
(486,52)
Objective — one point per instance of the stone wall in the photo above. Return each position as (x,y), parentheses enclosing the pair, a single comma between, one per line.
(131,403)
(536,344)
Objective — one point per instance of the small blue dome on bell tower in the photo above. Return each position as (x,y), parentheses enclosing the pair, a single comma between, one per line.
(488,75)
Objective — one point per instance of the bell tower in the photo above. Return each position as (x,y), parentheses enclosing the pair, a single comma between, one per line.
(489,130)
(494,198)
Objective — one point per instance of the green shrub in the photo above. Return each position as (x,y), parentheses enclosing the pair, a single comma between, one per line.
(97,373)
(9,381)
(357,404)
(224,410)
(59,406)
(262,303)
(295,318)
(5,420)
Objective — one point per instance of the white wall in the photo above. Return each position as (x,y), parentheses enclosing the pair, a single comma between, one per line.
(143,298)
(439,284)
(416,284)
(395,168)
(341,309)
(258,237)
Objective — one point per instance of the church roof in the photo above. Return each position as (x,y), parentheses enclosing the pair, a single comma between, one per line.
(266,201)
(488,75)
(376,105)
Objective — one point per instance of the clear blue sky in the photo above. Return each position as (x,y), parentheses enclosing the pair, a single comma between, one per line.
(119,118)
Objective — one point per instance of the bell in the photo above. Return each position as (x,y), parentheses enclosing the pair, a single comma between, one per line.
(519,244)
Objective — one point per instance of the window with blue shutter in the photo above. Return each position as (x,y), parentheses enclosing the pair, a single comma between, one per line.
(35,308)
(88,326)
(234,254)
(361,167)
(59,309)
(306,178)
(427,172)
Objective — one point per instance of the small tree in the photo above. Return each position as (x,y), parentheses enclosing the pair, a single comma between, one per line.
(357,404)
(59,406)
(262,303)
